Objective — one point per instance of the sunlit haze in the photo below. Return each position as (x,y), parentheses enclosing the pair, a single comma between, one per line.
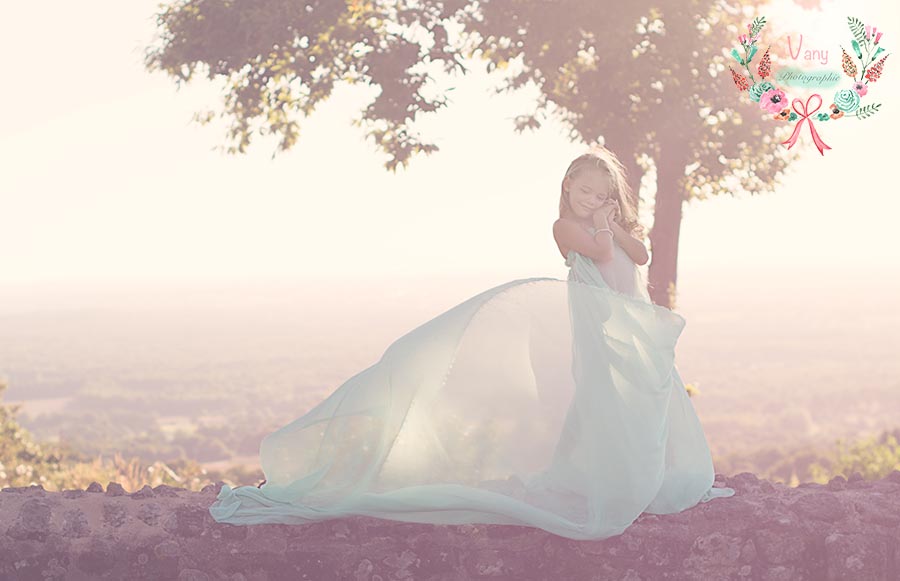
(106,181)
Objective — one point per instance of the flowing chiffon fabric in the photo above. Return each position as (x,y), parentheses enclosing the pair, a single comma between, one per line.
(541,402)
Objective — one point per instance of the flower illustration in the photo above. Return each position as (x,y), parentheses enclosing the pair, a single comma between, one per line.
(871,33)
(783,115)
(846,100)
(836,113)
(758,89)
(861,88)
(874,72)
(772,100)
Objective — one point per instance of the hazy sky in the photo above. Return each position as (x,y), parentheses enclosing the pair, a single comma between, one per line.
(105,179)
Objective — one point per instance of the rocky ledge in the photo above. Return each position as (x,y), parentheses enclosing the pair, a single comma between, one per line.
(842,530)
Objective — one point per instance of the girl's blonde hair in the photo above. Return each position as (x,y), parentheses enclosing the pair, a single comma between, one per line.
(603,158)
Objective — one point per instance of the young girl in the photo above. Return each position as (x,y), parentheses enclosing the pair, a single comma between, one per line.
(540,402)
(598,220)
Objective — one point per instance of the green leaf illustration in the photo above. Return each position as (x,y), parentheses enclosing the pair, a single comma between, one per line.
(737,56)
(751,53)
(856,49)
(757,25)
(867,111)
(857,28)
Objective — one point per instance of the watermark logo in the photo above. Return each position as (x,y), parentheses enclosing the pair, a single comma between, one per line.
(846,101)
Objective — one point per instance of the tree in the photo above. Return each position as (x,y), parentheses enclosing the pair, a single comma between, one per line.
(649,79)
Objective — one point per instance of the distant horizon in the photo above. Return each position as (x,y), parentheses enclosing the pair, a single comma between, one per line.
(439,287)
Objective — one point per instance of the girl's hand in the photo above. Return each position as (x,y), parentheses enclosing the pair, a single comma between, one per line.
(618,210)
(601,217)
(611,209)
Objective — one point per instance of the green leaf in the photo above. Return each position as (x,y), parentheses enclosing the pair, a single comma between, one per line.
(857,28)
(757,25)
(737,56)
(867,111)
(856,49)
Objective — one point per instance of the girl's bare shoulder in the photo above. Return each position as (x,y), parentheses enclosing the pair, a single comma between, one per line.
(568,234)
(567,225)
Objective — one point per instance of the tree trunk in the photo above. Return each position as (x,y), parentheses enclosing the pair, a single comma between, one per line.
(663,269)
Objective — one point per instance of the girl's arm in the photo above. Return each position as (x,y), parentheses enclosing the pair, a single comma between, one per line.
(572,236)
(632,246)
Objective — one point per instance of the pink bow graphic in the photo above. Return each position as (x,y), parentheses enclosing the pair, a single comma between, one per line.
(804,116)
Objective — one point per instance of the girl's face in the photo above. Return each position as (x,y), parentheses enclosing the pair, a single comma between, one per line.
(588,190)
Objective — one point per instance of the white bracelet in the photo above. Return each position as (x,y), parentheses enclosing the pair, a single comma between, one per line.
(605,230)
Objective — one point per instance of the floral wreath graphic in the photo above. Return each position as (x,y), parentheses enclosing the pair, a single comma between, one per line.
(846,102)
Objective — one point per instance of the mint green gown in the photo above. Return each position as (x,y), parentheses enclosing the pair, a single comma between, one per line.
(540,402)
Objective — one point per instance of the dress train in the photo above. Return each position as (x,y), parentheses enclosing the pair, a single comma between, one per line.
(540,402)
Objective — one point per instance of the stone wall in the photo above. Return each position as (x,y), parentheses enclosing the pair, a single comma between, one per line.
(842,530)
